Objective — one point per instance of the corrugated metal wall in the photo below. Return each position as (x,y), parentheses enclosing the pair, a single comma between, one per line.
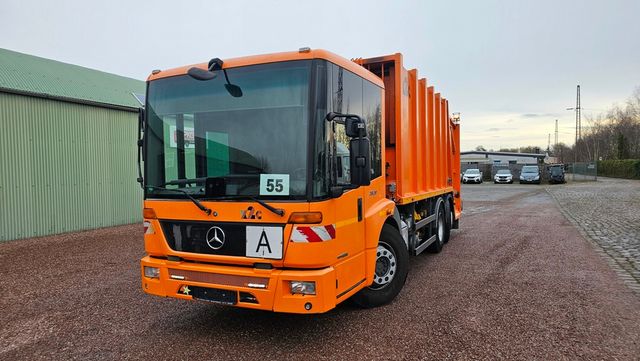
(65,167)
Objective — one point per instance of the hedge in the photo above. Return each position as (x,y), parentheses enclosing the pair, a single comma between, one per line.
(625,168)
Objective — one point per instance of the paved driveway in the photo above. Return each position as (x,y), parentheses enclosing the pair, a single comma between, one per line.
(517,281)
(608,213)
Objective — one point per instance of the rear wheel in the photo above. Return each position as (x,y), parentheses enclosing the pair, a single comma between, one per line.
(448,219)
(440,225)
(392,267)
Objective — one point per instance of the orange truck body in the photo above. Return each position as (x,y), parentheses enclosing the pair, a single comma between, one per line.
(420,177)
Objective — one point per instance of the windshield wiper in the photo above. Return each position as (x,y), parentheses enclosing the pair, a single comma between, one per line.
(184,181)
(278,211)
(195,201)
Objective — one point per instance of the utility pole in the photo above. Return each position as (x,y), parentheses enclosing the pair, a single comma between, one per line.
(555,143)
(549,143)
(578,116)
(578,125)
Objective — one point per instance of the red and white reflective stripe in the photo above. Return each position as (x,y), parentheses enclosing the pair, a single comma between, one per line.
(313,234)
(148,228)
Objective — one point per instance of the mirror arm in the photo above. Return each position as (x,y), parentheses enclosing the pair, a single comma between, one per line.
(140,143)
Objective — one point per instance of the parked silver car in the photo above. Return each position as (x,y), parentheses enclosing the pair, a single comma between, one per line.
(503,176)
(472,175)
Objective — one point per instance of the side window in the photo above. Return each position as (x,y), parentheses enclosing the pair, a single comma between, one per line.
(372,112)
(346,98)
(352,94)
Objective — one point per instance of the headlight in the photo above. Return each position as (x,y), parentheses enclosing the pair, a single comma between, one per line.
(537,177)
(303,287)
(151,272)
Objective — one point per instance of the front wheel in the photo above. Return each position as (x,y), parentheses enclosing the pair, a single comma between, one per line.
(392,267)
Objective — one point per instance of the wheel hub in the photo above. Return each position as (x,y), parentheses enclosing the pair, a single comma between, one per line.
(385,266)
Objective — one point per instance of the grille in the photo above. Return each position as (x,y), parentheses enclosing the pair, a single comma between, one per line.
(190,236)
(219,279)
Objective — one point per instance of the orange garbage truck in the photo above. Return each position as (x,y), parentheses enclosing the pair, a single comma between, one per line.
(291,182)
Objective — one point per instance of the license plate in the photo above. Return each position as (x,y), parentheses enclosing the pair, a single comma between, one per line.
(214,295)
(264,242)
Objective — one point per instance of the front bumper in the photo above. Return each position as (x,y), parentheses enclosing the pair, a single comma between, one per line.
(471,180)
(268,289)
(530,181)
(503,180)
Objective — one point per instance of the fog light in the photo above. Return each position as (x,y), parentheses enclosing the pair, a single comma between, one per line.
(151,272)
(303,288)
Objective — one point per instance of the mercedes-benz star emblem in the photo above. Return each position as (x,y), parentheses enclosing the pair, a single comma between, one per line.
(215,237)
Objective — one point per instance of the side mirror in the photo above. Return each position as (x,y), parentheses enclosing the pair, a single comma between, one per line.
(355,127)
(360,159)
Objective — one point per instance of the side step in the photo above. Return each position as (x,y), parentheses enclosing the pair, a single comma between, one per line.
(424,245)
(425,221)
(421,224)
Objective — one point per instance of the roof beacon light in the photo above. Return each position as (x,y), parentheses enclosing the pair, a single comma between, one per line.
(306,49)
(456,117)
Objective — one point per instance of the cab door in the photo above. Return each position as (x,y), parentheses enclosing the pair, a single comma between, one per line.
(349,218)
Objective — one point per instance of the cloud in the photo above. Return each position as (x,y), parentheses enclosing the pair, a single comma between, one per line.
(538,115)
(497,130)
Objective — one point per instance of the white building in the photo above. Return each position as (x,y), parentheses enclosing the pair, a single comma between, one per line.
(500,158)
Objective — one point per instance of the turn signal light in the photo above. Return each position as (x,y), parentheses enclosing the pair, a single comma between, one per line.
(305,217)
(149,213)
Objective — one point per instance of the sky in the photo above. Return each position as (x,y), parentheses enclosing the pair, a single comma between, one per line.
(509,67)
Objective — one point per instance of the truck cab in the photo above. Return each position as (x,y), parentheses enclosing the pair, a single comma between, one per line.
(268,143)
(264,185)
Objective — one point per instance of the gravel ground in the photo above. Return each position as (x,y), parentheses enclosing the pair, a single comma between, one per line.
(517,281)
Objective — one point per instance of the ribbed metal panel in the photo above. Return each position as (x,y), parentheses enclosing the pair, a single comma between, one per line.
(49,78)
(65,167)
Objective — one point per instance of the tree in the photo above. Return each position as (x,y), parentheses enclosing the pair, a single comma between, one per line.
(623,147)
(481,149)
(614,134)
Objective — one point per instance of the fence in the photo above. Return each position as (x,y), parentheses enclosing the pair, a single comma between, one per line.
(585,171)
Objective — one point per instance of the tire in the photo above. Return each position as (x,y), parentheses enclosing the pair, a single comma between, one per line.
(436,246)
(392,263)
(448,219)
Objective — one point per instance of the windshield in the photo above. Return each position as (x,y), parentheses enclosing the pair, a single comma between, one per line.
(254,144)
(472,171)
(504,171)
(529,169)
(556,170)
